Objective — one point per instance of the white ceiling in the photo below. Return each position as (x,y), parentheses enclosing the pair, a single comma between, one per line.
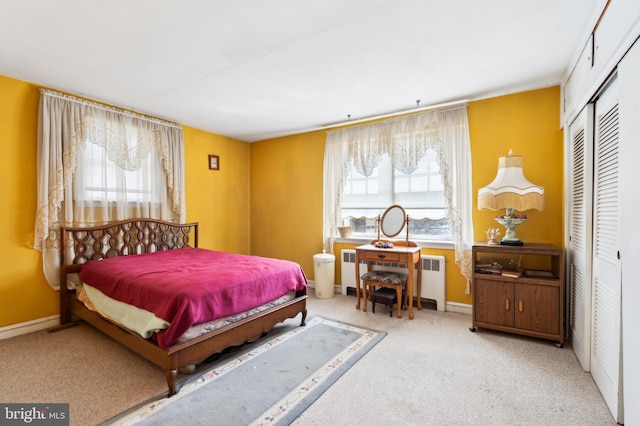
(256,69)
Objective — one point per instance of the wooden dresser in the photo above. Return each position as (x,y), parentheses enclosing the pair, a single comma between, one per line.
(530,304)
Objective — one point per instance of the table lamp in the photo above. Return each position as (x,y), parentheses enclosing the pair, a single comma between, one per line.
(512,191)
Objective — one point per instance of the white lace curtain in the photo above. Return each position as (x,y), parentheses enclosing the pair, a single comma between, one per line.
(77,137)
(406,140)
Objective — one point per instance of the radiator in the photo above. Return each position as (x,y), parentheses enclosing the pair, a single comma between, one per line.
(433,277)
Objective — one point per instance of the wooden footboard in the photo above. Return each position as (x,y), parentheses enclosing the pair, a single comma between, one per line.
(146,236)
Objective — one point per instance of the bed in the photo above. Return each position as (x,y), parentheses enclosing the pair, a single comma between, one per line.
(165,252)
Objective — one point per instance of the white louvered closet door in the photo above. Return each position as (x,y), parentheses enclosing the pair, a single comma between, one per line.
(580,233)
(606,352)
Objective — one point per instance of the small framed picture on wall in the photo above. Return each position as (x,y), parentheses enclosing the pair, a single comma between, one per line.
(214,162)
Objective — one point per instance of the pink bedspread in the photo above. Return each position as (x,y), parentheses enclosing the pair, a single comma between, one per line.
(191,286)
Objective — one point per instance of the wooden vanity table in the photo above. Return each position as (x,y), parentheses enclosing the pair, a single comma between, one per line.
(409,256)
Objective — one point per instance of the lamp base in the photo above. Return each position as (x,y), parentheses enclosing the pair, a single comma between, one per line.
(511,243)
(511,221)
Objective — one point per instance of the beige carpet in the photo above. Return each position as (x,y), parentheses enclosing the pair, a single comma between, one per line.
(429,371)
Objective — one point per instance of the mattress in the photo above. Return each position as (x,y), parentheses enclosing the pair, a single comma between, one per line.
(190,286)
(145,323)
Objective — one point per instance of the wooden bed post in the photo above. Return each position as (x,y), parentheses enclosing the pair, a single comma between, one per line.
(172,379)
(65,301)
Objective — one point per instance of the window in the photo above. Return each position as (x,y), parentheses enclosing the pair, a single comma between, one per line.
(98,164)
(433,150)
(108,181)
(420,193)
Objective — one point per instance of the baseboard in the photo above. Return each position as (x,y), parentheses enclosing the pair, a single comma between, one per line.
(461,308)
(312,284)
(29,326)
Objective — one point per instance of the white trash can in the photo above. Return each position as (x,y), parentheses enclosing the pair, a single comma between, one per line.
(324,265)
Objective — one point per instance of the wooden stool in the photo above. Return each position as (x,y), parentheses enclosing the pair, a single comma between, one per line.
(386,296)
(386,279)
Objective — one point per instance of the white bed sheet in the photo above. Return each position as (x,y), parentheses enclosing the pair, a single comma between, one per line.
(145,323)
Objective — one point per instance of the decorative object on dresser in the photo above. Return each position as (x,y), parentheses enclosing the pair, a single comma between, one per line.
(492,235)
(518,300)
(512,191)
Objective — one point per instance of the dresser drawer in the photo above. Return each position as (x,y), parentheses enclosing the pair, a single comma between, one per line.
(381,256)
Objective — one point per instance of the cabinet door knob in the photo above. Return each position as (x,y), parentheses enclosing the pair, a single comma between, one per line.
(506,304)
(520,306)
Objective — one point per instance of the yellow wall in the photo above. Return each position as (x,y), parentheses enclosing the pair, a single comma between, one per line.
(528,123)
(24,293)
(218,200)
(286,198)
(286,181)
(267,197)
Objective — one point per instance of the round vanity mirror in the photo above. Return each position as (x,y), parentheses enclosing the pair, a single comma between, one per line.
(393,221)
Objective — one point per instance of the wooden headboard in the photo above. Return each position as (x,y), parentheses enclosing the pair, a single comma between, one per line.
(123,238)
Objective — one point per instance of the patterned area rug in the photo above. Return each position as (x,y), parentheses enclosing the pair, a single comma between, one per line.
(272,382)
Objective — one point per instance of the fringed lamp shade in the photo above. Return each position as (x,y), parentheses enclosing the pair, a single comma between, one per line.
(512,191)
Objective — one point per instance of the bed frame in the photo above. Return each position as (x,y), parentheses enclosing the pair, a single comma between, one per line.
(136,236)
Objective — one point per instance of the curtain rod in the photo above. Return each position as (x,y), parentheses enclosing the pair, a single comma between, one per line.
(109,108)
(439,107)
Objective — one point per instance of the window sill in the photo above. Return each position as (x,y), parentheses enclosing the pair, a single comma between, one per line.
(421,243)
